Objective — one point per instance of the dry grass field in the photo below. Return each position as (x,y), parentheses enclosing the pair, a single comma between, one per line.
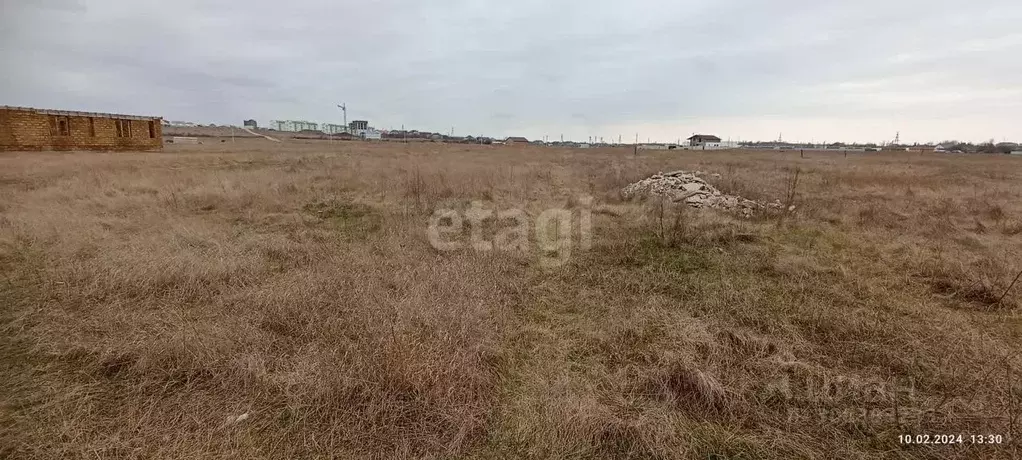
(261,300)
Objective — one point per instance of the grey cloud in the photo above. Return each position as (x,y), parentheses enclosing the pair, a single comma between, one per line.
(503,67)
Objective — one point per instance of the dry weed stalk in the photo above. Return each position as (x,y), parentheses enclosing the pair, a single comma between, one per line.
(790,192)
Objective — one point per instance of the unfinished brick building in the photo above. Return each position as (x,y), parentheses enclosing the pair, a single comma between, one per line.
(23,128)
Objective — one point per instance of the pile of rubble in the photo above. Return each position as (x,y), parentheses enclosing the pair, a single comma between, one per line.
(688,188)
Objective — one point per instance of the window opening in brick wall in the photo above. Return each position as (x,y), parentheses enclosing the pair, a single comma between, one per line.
(60,126)
(92,127)
(152,130)
(123,128)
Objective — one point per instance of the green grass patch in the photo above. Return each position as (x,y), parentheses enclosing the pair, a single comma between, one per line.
(650,253)
(351,219)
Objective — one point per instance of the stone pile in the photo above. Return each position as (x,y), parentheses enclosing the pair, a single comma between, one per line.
(688,188)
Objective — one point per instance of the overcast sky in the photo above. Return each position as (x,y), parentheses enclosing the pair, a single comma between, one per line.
(741,69)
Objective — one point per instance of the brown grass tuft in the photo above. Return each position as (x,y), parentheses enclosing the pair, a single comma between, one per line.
(693,387)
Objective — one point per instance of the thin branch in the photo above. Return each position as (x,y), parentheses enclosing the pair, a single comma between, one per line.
(1009,288)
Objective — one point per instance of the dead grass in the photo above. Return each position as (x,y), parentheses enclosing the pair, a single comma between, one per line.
(149,300)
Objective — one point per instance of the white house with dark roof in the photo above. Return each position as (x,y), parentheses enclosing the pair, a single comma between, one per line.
(706,142)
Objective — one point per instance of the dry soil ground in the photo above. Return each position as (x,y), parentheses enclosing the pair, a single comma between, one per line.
(261,300)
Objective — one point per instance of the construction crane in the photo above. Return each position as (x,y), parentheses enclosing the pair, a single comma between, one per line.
(344,109)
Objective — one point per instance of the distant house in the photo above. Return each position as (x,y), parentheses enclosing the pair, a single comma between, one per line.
(516,140)
(922,148)
(251,124)
(704,140)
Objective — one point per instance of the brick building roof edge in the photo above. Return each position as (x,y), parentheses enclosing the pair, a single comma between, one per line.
(78,114)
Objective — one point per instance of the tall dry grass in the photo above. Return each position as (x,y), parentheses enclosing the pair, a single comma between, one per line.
(264,300)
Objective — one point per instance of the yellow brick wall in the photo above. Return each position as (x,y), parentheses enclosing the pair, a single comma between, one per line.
(6,131)
(28,130)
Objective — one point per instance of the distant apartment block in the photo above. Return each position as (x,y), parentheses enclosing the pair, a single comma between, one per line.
(331,128)
(357,128)
(294,125)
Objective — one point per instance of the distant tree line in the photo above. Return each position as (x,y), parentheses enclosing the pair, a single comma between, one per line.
(950,145)
(985,147)
(426,135)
